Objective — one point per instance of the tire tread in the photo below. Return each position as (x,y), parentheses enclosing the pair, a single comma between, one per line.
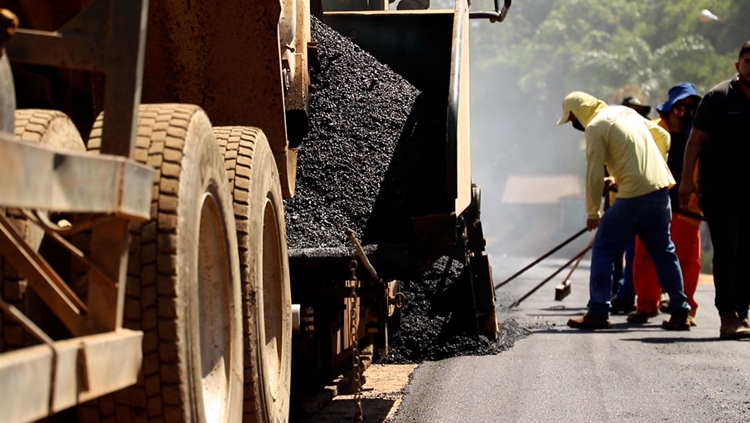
(237,143)
(250,170)
(152,302)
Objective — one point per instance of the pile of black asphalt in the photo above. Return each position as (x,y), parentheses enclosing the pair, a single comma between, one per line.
(358,110)
(425,332)
(371,160)
(374,156)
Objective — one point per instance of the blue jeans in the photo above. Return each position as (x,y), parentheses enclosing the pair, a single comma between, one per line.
(626,290)
(648,217)
(617,276)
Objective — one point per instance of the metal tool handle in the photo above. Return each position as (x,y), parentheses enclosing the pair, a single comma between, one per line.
(535,262)
(575,266)
(497,16)
(536,288)
(360,252)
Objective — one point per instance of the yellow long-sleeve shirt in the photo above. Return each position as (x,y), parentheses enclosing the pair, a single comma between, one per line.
(633,148)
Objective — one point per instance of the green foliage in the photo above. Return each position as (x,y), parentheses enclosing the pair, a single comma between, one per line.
(607,45)
(609,48)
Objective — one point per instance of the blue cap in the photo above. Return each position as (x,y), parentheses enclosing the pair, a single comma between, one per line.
(677,93)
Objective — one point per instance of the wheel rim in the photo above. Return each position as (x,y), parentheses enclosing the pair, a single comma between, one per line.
(214,307)
(273,298)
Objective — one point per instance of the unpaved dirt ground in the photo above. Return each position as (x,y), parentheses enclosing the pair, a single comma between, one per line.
(381,396)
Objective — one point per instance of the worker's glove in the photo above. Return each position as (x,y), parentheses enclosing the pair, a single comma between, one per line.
(610,185)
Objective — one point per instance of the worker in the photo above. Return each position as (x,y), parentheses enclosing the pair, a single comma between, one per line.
(635,104)
(623,297)
(676,115)
(721,130)
(634,151)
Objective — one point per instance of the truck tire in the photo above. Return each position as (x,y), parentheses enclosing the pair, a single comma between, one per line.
(183,287)
(266,294)
(52,128)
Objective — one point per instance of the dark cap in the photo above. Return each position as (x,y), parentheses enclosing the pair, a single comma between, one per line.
(636,105)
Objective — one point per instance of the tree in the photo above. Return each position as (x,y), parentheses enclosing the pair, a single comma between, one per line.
(609,48)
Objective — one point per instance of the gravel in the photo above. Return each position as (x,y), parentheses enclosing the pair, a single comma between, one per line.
(374,158)
(425,333)
(371,159)
(358,111)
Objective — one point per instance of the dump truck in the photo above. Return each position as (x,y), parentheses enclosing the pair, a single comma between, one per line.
(147,151)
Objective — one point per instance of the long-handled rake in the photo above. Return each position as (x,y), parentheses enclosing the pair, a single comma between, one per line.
(535,262)
(563,289)
(576,259)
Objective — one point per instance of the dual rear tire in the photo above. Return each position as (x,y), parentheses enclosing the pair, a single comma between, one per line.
(266,296)
(199,285)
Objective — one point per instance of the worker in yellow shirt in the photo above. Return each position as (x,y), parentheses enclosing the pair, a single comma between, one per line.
(623,295)
(634,151)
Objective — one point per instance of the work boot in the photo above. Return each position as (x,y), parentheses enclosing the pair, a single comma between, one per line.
(732,327)
(591,322)
(640,317)
(677,322)
(746,322)
(620,306)
(692,321)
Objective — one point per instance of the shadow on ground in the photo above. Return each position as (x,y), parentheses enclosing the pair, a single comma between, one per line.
(682,340)
(374,410)
(616,328)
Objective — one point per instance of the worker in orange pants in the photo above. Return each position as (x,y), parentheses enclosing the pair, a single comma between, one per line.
(685,234)
(676,117)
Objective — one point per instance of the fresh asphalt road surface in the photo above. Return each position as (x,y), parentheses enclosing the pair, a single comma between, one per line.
(558,374)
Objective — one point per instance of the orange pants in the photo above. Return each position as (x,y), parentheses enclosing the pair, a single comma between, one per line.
(687,241)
